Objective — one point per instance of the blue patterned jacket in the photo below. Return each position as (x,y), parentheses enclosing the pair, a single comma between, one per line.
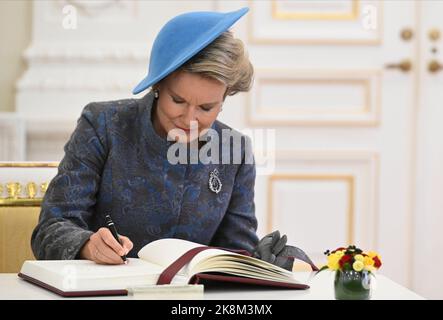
(115,163)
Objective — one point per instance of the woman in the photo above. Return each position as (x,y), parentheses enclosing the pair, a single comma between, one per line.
(120,160)
(116,161)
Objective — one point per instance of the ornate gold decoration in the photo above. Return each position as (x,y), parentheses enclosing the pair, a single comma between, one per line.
(29,165)
(1,190)
(407,34)
(434,34)
(13,189)
(435,66)
(404,65)
(14,198)
(44,187)
(31,190)
(20,202)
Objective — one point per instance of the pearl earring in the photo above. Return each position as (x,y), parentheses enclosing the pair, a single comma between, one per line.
(156,94)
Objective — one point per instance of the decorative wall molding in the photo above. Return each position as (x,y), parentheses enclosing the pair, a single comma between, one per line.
(97,53)
(282,10)
(357,170)
(270,25)
(349,180)
(363,86)
(63,82)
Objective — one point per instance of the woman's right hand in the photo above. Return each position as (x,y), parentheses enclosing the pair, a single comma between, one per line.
(102,248)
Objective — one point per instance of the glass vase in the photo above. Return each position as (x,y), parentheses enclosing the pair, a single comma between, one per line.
(352,285)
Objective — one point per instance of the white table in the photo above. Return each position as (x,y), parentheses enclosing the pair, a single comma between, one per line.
(12,287)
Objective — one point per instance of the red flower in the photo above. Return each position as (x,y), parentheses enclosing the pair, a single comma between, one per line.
(338,249)
(346,258)
(377,262)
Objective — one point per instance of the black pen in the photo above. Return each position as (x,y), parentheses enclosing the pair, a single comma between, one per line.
(111,226)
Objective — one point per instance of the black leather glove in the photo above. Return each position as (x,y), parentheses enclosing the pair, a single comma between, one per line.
(273,249)
(269,247)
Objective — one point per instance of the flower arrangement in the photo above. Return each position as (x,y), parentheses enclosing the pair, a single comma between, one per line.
(352,258)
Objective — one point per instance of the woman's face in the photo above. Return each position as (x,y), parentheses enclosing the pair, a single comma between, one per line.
(184,98)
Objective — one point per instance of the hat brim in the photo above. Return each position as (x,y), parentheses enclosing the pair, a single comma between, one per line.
(202,42)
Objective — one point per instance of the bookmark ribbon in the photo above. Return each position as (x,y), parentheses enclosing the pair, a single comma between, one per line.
(169,273)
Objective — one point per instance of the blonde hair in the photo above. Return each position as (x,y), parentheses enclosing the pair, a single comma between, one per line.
(226,60)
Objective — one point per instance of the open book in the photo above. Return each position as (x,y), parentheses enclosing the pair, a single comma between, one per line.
(164,261)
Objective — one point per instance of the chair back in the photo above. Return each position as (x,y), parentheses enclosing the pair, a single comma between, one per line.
(22,187)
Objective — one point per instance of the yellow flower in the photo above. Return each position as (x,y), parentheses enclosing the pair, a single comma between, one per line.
(340,253)
(373,254)
(333,261)
(370,268)
(359,257)
(358,265)
(368,261)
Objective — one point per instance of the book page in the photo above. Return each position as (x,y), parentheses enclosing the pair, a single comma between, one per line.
(165,251)
(259,263)
(247,267)
(84,275)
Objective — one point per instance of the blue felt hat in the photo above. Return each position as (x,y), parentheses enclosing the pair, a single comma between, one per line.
(183,37)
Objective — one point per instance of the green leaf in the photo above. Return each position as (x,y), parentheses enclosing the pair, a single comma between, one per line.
(321,269)
(347,266)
